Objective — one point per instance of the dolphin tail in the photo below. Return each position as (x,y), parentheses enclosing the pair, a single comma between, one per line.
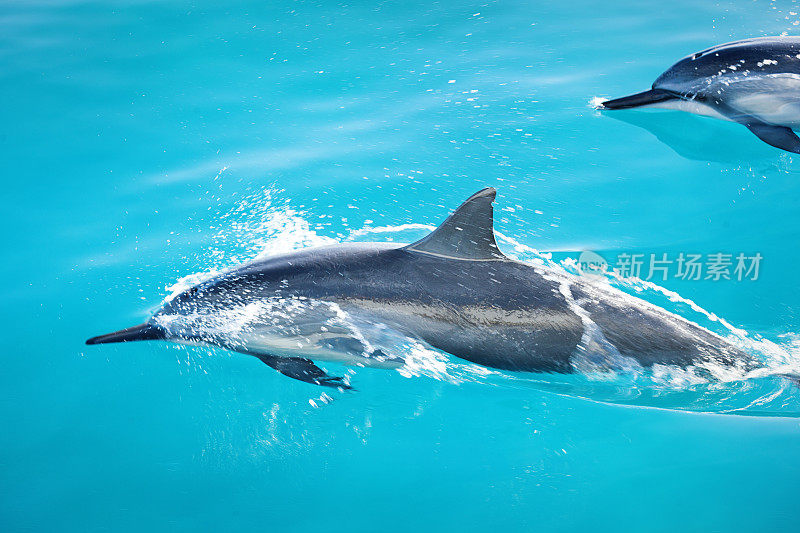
(142,332)
(645,98)
(793,377)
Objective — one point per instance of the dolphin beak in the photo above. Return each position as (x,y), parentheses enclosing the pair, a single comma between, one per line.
(646,98)
(142,332)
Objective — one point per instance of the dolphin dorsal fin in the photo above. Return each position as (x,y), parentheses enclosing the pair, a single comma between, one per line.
(468,233)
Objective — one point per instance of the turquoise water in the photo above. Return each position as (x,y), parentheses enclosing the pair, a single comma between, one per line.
(145,142)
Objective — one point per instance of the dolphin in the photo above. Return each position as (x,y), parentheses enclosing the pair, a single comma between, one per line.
(755,82)
(453,290)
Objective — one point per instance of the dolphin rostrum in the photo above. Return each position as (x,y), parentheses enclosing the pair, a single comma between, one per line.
(453,290)
(755,82)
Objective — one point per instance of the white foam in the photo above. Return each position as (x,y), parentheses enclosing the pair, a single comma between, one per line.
(596,102)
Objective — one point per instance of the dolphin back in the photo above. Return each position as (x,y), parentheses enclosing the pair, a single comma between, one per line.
(697,74)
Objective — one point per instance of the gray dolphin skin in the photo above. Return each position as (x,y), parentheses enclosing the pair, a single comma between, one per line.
(755,82)
(453,290)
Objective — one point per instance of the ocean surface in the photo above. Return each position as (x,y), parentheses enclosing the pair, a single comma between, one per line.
(147,144)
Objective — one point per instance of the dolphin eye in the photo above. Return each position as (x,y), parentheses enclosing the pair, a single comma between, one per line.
(697,55)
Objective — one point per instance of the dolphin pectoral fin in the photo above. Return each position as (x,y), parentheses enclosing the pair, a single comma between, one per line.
(777,136)
(304,370)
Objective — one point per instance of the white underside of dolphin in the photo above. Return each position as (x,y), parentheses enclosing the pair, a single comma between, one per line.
(773,101)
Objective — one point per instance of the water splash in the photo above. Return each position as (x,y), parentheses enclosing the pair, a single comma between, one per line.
(596,102)
(262,225)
